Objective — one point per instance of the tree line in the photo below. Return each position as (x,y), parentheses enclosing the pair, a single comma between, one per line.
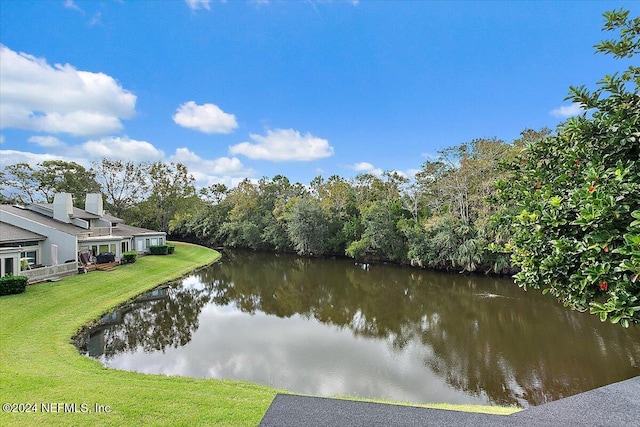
(145,194)
(441,219)
(561,208)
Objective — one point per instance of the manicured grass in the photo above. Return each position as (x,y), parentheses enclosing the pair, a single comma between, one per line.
(39,365)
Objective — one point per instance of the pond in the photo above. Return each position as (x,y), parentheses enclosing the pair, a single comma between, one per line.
(331,327)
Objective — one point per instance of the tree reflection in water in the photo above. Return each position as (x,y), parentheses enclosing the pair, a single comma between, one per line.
(483,336)
(164,317)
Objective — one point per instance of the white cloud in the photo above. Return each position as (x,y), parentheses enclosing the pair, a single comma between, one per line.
(11,157)
(207,118)
(198,4)
(219,166)
(362,166)
(284,145)
(70,4)
(96,19)
(122,148)
(431,157)
(46,141)
(59,99)
(567,110)
(366,167)
(411,173)
(224,170)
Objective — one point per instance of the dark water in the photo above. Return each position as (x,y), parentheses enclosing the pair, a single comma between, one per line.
(334,327)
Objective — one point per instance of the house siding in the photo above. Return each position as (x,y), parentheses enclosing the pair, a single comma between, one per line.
(67,243)
(70,229)
(9,261)
(108,241)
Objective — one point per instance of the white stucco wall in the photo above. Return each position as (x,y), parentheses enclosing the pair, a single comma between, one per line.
(142,240)
(14,255)
(67,243)
(87,243)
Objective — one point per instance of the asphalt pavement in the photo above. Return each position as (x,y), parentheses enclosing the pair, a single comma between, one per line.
(614,405)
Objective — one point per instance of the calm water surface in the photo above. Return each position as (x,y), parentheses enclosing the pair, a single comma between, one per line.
(335,327)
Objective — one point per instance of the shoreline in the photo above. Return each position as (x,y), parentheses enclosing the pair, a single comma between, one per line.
(41,365)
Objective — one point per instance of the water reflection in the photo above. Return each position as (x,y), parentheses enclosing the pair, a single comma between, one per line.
(330,327)
(164,317)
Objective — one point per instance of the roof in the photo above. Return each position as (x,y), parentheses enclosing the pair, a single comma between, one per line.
(112,218)
(130,230)
(121,230)
(77,212)
(12,234)
(42,219)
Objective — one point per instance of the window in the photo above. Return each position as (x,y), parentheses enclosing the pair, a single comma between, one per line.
(161,240)
(103,249)
(147,243)
(8,266)
(154,241)
(17,244)
(124,246)
(31,256)
(140,246)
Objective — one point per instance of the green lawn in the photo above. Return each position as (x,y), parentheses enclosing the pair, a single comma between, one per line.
(39,365)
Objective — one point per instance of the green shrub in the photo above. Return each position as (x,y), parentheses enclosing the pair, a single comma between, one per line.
(13,284)
(576,224)
(129,257)
(159,250)
(172,249)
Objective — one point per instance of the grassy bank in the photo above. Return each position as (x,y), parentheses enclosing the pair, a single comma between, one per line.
(39,365)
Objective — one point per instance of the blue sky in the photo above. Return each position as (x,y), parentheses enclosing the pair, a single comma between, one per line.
(301,88)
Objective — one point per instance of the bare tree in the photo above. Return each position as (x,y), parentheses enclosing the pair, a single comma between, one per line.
(124,183)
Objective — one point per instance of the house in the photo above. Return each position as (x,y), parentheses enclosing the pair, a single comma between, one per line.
(52,234)
(15,244)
